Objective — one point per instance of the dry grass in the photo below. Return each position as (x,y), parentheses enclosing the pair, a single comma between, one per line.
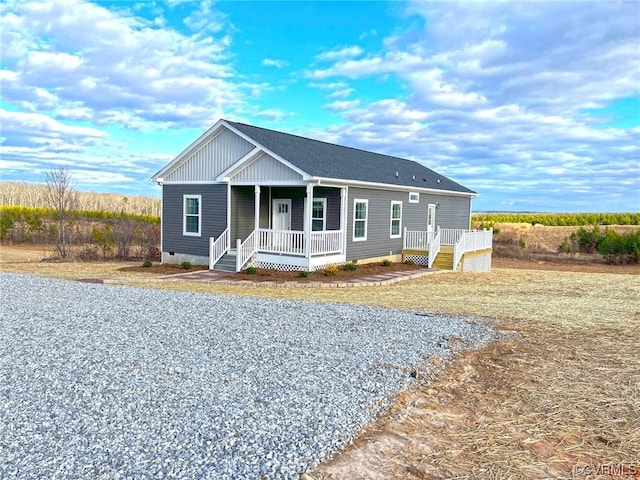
(564,391)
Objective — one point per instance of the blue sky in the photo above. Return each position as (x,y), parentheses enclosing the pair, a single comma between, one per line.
(535,105)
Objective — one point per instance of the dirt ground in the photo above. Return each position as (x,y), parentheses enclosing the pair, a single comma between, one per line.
(558,398)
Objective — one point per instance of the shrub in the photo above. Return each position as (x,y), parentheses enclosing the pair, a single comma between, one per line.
(613,246)
(349,267)
(331,270)
(147,264)
(186,265)
(303,274)
(386,262)
(409,262)
(251,270)
(522,242)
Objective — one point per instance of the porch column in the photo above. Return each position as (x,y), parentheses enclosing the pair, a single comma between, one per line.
(307,222)
(257,207)
(344,196)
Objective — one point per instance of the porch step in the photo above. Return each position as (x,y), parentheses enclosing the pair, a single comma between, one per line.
(226,264)
(444,261)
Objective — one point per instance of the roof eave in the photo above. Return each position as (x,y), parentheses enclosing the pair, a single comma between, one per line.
(391,186)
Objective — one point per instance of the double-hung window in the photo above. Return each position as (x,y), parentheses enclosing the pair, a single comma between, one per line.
(396,219)
(319,214)
(360,215)
(192,218)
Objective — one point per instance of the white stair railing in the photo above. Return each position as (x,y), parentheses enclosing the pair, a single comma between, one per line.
(471,241)
(434,249)
(246,249)
(218,247)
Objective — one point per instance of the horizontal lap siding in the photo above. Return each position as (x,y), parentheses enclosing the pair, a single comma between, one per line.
(213,211)
(333,205)
(242,216)
(378,243)
(453,212)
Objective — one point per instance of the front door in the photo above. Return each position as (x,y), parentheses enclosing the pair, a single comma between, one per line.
(431,220)
(281,219)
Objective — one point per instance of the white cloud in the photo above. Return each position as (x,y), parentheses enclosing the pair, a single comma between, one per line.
(342,105)
(271,62)
(118,62)
(341,93)
(495,99)
(340,54)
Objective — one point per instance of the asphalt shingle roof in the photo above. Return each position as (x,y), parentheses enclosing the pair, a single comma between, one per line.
(322,159)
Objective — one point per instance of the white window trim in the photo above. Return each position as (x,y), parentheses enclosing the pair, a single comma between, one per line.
(324,214)
(399,234)
(184,215)
(366,220)
(417,200)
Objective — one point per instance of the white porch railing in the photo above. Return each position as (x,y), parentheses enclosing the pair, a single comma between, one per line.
(329,241)
(246,249)
(281,241)
(451,235)
(416,240)
(471,241)
(287,242)
(434,248)
(218,247)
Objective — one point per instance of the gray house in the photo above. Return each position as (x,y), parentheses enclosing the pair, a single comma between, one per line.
(242,195)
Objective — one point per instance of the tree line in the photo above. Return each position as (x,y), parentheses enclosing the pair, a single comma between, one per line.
(55,213)
(36,195)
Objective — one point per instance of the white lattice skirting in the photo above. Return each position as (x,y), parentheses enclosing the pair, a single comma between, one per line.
(286,267)
(418,259)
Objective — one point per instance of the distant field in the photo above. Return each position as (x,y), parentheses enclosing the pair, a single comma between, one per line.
(558,219)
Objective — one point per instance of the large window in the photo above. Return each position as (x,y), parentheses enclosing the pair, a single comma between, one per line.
(360,212)
(192,219)
(396,219)
(319,214)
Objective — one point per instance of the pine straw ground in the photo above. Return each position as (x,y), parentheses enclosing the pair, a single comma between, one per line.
(558,398)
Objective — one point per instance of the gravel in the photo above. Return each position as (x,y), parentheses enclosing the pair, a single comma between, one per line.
(104,381)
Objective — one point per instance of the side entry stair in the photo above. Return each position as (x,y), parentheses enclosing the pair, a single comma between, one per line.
(227,263)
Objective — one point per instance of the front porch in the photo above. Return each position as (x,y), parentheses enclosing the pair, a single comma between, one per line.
(449,249)
(282,227)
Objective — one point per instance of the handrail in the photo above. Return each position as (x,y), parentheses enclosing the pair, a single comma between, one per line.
(471,241)
(246,249)
(434,249)
(218,247)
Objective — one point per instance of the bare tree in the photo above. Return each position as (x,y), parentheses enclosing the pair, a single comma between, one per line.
(63,199)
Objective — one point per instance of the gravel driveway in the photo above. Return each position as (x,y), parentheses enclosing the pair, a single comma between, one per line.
(102,381)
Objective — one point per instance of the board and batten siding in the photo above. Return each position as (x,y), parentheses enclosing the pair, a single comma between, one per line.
(265,169)
(214,217)
(211,159)
(453,212)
